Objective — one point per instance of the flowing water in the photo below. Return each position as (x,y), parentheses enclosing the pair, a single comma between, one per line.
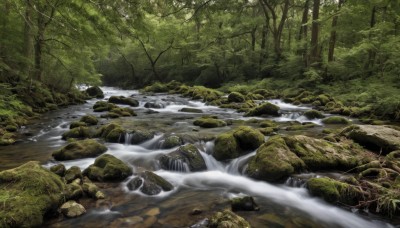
(281,205)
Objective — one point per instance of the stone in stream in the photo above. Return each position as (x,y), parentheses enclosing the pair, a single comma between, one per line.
(77,133)
(95,92)
(209,122)
(237,142)
(58,169)
(123,100)
(313,114)
(378,138)
(154,104)
(236,97)
(29,192)
(89,120)
(185,158)
(111,133)
(72,209)
(191,110)
(102,106)
(335,120)
(76,124)
(108,168)
(74,191)
(171,142)
(149,183)
(245,203)
(227,218)
(264,109)
(72,174)
(91,189)
(80,149)
(139,136)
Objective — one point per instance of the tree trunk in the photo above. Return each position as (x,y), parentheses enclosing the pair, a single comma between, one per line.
(303,51)
(39,48)
(28,39)
(315,57)
(332,39)
(371,53)
(253,39)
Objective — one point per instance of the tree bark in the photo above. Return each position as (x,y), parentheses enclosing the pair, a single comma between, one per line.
(303,34)
(28,39)
(333,36)
(315,55)
(371,53)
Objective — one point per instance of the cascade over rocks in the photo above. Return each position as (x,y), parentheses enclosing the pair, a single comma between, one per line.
(185,157)
(108,168)
(149,183)
(80,149)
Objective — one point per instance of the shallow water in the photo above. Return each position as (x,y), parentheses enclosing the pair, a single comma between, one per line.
(281,205)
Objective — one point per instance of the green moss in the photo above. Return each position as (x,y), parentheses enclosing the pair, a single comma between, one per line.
(108,168)
(191,110)
(226,147)
(27,193)
(123,100)
(298,127)
(236,97)
(268,123)
(264,109)
(95,91)
(268,130)
(313,114)
(323,99)
(248,138)
(77,124)
(79,132)
(227,218)
(209,122)
(80,149)
(102,106)
(171,142)
(89,120)
(335,120)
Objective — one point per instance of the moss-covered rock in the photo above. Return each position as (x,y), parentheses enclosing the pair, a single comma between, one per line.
(185,158)
(226,219)
(207,122)
(245,203)
(313,114)
(299,127)
(201,93)
(111,133)
(335,120)
(102,106)
(76,124)
(274,161)
(140,136)
(95,91)
(72,174)
(58,169)
(154,104)
(268,123)
(77,133)
(91,189)
(123,100)
(377,138)
(171,142)
(123,112)
(264,109)
(80,149)
(11,128)
(334,191)
(72,209)
(149,183)
(267,94)
(74,190)
(29,192)
(7,138)
(108,168)
(191,110)
(237,142)
(89,120)
(236,97)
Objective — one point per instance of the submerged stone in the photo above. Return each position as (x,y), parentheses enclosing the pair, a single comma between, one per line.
(335,120)
(150,183)
(245,203)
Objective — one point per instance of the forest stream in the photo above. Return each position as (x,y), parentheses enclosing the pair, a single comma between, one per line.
(285,204)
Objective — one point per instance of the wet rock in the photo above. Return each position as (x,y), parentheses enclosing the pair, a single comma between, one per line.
(111,133)
(153,212)
(302,126)
(11,128)
(108,168)
(208,122)
(74,191)
(191,110)
(29,192)
(196,211)
(264,109)
(72,174)
(76,124)
(335,120)
(102,106)
(375,137)
(150,183)
(89,120)
(58,169)
(334,191)
(72,209)
(185,157)
(171,142)
(92,190)
(237,142)
(267,94)
(274,161)
(140,136)
(245,203)
(154,104)
(80,149)
(119,112)
(268,123)
(313,114)
(151,111)
(236,97)
(77,133)
(226,219)
(95,91)
(123,100)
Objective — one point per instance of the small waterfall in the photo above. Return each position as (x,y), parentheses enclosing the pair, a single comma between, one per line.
(236,166)
(126,138)
(291,115)
(296,182)
(153,143)
(178,165)
(211,163)
(209,147)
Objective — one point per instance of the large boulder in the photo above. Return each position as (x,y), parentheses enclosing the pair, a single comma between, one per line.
(95,91)
(108,168)
(334,191)
(185,158)
(123,100)
(378,138)
(139,136)
(111,133)
(237,142)
(27,193)
(149,183)
(313,114)
(236,97)
(80,149)
(209,122)
(171,141)
(102,106)
(89,119)
(72,174)
(274,161)
(264,109)
(77,133)
(335,120)
(227,219)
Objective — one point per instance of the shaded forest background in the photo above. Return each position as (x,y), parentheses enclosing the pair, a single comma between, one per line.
(347,48)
